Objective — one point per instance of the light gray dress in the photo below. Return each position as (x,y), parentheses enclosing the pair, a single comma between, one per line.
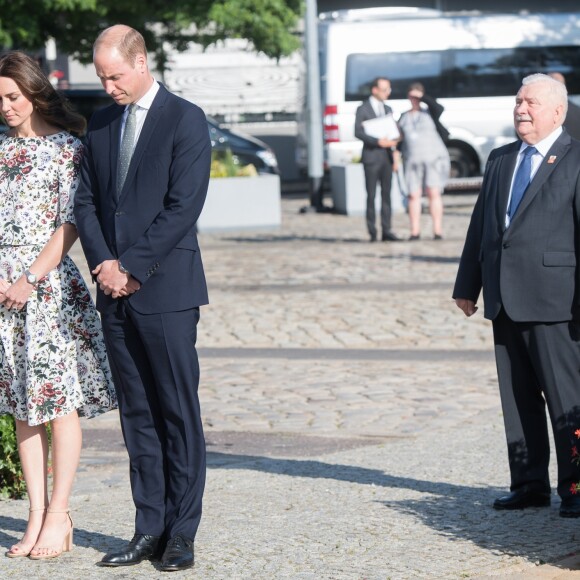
(425,157)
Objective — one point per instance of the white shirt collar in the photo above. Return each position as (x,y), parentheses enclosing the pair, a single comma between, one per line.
(546,143)
(377,104)
(146,100)
(542,147)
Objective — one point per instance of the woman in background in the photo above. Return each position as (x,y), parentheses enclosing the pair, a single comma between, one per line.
(425,159)
(53,365)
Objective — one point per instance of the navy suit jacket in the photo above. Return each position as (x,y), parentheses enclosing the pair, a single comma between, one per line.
(530,268)
(150,225)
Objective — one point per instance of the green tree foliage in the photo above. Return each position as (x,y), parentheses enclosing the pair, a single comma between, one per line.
(11,478)
(267,24)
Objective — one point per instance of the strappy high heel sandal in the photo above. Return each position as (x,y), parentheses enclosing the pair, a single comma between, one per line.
(66,543)
(10,553)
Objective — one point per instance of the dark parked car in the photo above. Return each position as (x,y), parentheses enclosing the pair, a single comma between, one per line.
(244,148)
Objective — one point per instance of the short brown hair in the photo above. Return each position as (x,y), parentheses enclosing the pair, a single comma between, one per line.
(36,87)
(375,82)
(130,44)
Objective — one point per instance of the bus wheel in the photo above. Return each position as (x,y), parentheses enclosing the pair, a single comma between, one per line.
(462,164)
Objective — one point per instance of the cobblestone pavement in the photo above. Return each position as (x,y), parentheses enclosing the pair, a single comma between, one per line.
(353,422)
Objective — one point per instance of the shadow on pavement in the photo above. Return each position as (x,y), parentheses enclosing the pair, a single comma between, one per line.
(83,538)
(267,239)
(455,511)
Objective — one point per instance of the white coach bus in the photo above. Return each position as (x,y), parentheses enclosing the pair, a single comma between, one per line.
(472,62)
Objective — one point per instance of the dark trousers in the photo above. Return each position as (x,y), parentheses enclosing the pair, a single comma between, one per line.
(539,363)
(156,374)
(378,173)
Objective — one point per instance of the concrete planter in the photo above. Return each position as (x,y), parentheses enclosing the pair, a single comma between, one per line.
(349,194)
(241,203)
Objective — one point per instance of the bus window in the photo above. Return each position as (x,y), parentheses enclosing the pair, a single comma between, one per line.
(483,73)
(401,68)
(460,73)
(499,72)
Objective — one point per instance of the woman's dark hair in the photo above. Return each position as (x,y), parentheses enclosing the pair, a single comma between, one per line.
(36,87)
(416,87)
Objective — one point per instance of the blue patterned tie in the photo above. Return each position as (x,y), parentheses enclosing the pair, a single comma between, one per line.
(522,180)
(126,151)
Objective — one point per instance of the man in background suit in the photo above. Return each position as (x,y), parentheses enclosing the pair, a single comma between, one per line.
(377,159)
(143,185)
(525,256)
(572,121)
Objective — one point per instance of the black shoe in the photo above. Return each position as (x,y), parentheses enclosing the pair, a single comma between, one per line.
(522,499)
(570,507)
(437,237)
(178,554)
(414,237)
(373,238)
(390,237)
(140,548)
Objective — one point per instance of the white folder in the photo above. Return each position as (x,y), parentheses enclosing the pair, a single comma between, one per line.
(383,127)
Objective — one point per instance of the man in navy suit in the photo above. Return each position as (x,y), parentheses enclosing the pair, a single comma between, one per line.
(137,228)
(377,159)
(522,249)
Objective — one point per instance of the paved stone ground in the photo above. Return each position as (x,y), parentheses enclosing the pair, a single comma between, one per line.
(352,417)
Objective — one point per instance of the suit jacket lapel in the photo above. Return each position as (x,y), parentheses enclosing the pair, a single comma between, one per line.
(114,144)
(506,171)
(557,151)
(370,110)
(145,136)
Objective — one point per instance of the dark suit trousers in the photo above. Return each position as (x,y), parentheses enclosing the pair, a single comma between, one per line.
(539,363)
(156,374)
(381,173)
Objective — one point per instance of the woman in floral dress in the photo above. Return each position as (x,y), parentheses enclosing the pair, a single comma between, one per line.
(53,364)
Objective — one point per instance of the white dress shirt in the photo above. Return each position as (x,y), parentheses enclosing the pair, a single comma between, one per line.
(143,106)
(542,148)
(378,106)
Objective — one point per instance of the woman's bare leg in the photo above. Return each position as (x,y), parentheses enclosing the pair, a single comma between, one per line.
(66,451)
(33,451)
(415,212)
(436,209)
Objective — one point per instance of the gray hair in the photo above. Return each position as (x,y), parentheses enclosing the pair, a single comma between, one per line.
(556,89)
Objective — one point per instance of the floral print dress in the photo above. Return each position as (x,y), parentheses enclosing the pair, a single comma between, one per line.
(52,353)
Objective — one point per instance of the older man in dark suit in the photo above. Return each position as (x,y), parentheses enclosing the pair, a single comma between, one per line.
(377,159)
(522,247)
(143,185)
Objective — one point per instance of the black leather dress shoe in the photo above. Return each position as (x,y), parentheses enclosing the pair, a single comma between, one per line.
(522,499)
(390,237)
(570,507)
(178,554)
(140,548)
